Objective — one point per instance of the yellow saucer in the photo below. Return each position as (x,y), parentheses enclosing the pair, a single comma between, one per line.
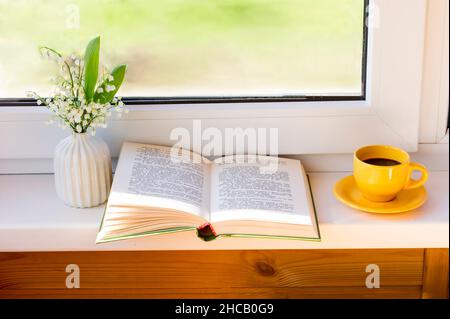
(348,193)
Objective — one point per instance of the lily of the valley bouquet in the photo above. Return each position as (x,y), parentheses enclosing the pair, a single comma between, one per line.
(82,100)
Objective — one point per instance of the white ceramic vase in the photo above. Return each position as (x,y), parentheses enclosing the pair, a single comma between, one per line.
(82,165)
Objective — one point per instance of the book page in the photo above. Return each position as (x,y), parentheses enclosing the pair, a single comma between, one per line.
(251,188)
(148,176)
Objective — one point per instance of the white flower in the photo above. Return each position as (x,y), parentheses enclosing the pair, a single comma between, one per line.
(110,88)
(68,101)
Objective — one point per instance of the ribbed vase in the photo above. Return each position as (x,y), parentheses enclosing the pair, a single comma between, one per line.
(82,165)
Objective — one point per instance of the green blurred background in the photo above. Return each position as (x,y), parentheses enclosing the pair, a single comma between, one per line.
(191,47)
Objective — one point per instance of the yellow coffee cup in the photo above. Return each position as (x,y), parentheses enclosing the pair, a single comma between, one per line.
(381,172)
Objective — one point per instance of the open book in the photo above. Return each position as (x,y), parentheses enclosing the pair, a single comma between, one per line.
(156,190)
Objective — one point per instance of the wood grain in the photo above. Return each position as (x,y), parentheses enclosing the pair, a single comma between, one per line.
(405,292)
(259,272)
(435,275)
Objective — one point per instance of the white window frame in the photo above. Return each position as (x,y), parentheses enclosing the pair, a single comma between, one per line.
(390,115)
(435,94)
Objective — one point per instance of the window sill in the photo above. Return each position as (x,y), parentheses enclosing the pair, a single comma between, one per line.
(33,219)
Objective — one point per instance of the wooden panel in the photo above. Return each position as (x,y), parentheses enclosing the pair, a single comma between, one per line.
(435,276)
(211,269)
(405,292)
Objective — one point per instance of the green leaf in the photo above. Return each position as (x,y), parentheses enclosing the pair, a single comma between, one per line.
(118,74)
(91,60)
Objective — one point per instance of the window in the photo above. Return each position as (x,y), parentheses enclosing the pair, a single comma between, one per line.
(389,112)
(195,49)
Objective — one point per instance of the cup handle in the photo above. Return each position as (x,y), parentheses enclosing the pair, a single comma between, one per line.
(412,183)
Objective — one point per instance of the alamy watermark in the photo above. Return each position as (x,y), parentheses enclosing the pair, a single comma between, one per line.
(73,277)
(373,279)
(241,145)
(72,16)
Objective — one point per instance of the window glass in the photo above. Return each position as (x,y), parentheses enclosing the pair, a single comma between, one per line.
(192,47)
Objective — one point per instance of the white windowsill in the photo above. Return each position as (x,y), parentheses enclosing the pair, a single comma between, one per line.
(33,219)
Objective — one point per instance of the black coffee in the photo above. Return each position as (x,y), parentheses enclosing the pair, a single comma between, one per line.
(381,162)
